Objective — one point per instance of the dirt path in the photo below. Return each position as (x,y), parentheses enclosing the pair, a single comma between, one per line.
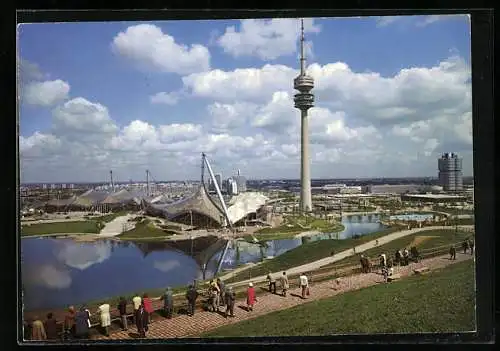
(183,326)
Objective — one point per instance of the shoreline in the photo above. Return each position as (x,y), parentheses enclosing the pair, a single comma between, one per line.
(310,266)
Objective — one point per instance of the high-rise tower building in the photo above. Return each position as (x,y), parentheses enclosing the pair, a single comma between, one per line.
(450,172)
(304,100)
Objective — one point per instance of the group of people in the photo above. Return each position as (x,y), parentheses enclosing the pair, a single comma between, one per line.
(285,285)
(467,244)
(77,324)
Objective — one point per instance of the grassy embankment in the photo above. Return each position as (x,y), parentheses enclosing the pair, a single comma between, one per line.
(295,225)
(91,227)
(145,229)
(424,240)
(306,253)
(441,301)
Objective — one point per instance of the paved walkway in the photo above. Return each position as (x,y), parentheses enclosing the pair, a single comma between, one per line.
(343,254)
(115,227)
(183,326)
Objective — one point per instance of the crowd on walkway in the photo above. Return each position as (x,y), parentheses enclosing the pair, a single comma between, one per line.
(77,324)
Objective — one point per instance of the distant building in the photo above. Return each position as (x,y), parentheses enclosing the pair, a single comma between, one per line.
(63,186)
(395,188)
(450,172)
(218,179)
(44,186)
(52,186)
(232,187)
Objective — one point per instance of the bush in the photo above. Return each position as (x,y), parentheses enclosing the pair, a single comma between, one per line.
(67,217)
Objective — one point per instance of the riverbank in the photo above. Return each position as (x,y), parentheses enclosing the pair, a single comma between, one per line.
(92,305)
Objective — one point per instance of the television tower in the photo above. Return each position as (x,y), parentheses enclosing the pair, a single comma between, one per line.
(304,100)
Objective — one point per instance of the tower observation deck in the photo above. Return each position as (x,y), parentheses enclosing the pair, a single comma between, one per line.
(304,100)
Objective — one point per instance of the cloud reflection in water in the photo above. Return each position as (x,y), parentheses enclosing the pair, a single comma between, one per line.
(83,255)
(166,266)
(48,276)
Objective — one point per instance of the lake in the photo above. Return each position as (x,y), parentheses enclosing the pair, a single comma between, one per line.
(62,272)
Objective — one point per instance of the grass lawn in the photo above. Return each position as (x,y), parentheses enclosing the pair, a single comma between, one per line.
(295,225)
(441,301)
(306,253)
(60,227)
(145,229)
(437,238)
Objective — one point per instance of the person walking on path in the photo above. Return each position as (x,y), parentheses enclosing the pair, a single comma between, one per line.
(471,246)
(284,284)
(272,282)
(50,326)
(465,246)
(122,308)
(191,296)
(251,299)
(105,317)
(137,301)
(38,330)
(69,322)
(222,291)
(230,300)
(453,253)
(168,302)
(141,321)
(82,324)
(148,307)
(215,293)
(304,284)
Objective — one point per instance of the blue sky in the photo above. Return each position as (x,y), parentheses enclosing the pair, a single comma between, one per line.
(389,85)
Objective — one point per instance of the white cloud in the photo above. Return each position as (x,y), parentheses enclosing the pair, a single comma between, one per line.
(427,20)
(171,98)
(37,142)
(267,39)
(84,117)
(46,93)
(148,46)
(362,122)
(242,83)
(227,117)
(383,21)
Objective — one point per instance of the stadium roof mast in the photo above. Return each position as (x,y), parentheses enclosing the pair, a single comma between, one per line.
(204,160)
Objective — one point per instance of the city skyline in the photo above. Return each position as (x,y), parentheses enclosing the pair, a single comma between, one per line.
(391,97)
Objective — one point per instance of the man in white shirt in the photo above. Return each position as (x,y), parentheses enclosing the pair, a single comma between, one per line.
(136,300)
(103,310)
(304,284)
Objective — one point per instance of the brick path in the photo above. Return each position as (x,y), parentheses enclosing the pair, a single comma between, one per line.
(184,326)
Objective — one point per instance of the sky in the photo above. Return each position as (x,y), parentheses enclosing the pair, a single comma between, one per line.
(392,93)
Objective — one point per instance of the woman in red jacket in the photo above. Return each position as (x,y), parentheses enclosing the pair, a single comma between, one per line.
(148,308)
(250,297)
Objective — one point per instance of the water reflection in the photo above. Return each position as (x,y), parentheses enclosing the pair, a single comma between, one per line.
(83,255)
(59,272)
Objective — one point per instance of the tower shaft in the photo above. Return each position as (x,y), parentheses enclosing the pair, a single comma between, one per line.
(304,100)
(305,173)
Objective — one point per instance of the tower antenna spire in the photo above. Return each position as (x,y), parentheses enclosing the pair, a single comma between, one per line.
(302,53)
